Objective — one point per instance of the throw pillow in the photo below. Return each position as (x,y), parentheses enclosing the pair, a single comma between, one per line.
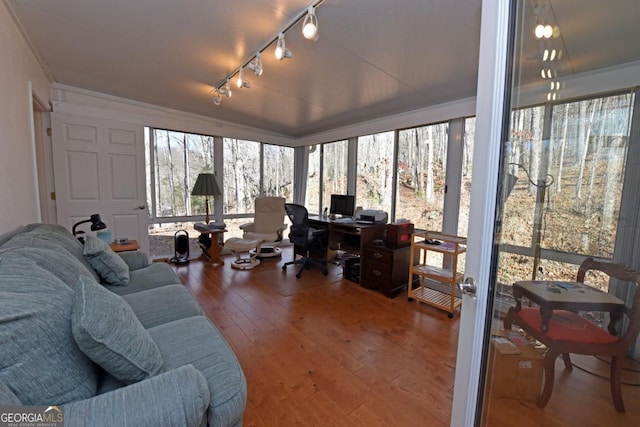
(110,266)
(109,333)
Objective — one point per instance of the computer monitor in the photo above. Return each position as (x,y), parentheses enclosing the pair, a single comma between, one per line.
(342,204)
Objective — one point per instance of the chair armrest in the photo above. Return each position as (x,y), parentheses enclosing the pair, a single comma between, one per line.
(280,231)
(249,226)
(135,259)
(178,397)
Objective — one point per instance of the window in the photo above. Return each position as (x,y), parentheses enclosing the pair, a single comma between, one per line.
(178,159)
(241,175)
(467,169)
(277,171)
(422,160)
(335,157)
(312,195)
(577,174)
(374,182)
(586,160)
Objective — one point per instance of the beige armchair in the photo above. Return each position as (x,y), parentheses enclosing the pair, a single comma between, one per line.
(268,226)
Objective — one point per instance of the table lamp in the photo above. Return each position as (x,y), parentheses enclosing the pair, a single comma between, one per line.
(206,186)
(96,224)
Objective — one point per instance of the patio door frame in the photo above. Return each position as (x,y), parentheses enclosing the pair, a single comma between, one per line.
(493,93)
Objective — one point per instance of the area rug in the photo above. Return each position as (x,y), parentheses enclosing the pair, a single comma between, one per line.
(287,284)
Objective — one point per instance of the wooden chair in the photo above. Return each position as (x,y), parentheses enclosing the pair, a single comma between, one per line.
(592,340)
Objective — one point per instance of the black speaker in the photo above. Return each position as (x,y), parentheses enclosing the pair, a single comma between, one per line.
(181,245)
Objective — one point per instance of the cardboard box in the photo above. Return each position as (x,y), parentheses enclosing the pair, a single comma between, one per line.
(516,371)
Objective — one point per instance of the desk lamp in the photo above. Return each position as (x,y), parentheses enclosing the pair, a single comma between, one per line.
(96,224)
(206,186)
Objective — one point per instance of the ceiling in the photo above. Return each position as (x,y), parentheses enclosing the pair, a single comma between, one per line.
(374,58)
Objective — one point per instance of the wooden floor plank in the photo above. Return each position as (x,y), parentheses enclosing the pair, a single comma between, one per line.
(336,354)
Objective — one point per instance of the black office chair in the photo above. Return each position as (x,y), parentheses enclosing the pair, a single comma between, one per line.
(306,239)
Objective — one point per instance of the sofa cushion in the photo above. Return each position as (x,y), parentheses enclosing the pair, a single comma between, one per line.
(176,398)
(110,267)
(196,341)
(154,307)
(40,359)
(106,329)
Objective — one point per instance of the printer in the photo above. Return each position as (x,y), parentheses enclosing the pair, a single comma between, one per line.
(372,216)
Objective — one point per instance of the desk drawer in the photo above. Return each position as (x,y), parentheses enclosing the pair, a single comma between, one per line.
(377,275)
(378,255)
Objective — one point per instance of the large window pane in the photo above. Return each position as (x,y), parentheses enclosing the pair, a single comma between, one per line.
(312,195)
(524,154)
(241,175)
(467,174)
(375,171)
(335,162)
(278,171)
(179,158)
(587,158)
(422,160)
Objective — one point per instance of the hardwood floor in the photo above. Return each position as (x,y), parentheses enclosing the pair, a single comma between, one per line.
(336,354)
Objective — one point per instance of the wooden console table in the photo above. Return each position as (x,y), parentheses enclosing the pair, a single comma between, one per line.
(211,254)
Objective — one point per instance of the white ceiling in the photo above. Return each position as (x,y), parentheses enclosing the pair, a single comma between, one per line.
(374,58)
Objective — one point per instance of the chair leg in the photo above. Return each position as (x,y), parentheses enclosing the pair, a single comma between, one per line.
(549,374)
(567,361)
(616,390)
(508,319)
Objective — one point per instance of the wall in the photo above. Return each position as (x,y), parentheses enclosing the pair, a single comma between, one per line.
(20,73)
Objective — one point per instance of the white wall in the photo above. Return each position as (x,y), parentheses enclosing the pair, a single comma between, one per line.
(19,70)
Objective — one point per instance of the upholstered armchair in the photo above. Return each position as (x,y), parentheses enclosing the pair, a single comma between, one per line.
(268,225)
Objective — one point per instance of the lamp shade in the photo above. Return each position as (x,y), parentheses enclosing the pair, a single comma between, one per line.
(206,185)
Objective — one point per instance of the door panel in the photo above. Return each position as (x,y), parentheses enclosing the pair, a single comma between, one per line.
(99,168)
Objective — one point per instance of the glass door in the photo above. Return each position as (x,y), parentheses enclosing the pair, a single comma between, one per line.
(554,182)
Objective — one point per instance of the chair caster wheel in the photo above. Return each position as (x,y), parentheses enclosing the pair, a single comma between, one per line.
(298,275)
(450,315)
(325,272)
(284,268)
(410,299)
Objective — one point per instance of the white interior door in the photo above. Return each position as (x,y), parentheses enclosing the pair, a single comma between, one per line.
(99,167)
(486,158)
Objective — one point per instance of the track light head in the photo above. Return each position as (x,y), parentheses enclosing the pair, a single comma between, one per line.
(225,90)
(281,48)
(241,81)
(310,25)
(256,65)
(217,99)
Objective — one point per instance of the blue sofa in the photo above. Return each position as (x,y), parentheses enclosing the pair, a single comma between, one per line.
(109,338)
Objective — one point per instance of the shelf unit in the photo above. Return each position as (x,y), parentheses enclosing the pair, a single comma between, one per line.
(424,278)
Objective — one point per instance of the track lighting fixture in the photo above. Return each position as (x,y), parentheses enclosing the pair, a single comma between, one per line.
(256,65)
(309,31)
(281,48)
(310,25)
(241,81)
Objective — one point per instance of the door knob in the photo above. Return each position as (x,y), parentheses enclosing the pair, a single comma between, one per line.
(141,207)
(468,286)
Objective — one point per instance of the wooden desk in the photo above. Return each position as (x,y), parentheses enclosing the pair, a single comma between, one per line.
(131,245)
(211,253)
(351,237)
(573,296)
